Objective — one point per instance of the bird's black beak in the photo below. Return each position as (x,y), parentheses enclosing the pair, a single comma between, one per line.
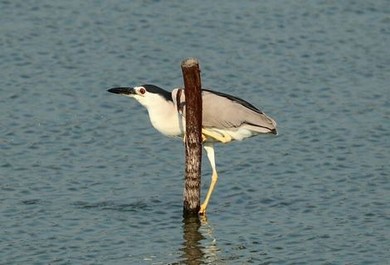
(122,90)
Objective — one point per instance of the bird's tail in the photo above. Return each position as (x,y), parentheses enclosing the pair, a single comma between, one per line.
(263,124)
(273,129)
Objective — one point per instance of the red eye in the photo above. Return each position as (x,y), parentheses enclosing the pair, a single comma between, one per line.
(142,91)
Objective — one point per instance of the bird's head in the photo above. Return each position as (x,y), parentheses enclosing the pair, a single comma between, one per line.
(148,95)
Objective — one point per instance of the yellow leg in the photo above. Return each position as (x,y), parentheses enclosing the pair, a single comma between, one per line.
(223,138)
(214,178)
(203,207)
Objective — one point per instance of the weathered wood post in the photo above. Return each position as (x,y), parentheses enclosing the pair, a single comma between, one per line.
(193,139)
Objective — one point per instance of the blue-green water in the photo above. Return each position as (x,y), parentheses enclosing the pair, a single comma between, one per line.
(84,179)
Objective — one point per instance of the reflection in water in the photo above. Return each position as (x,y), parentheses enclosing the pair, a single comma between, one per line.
(194,232)
(192,249)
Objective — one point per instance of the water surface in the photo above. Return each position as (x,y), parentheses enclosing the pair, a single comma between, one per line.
(84,178)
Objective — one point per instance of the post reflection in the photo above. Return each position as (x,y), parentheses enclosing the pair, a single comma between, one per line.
(192,248)
(199,245)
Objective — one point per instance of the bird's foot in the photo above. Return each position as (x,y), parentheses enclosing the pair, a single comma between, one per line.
(203,219)
(218,136)
(202,210)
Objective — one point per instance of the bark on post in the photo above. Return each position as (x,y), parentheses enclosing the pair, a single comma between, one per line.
(193,139)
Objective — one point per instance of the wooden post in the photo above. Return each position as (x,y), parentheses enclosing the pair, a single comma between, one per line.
(193,139)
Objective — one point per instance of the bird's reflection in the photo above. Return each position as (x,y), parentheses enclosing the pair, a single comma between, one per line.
(199,245)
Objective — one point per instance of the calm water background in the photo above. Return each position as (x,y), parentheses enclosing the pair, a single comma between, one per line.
(84,178)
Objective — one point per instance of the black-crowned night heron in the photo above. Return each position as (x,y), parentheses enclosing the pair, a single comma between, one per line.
(225,118)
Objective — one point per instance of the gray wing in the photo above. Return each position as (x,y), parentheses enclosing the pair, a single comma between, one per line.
(223,111)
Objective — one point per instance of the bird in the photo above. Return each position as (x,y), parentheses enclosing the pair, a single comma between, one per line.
(225,118)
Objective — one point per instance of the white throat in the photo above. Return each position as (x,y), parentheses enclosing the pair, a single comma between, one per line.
(165,118)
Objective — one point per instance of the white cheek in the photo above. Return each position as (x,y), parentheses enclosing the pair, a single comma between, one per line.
(141,99)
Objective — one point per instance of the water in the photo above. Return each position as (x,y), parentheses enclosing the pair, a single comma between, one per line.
(85,179)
